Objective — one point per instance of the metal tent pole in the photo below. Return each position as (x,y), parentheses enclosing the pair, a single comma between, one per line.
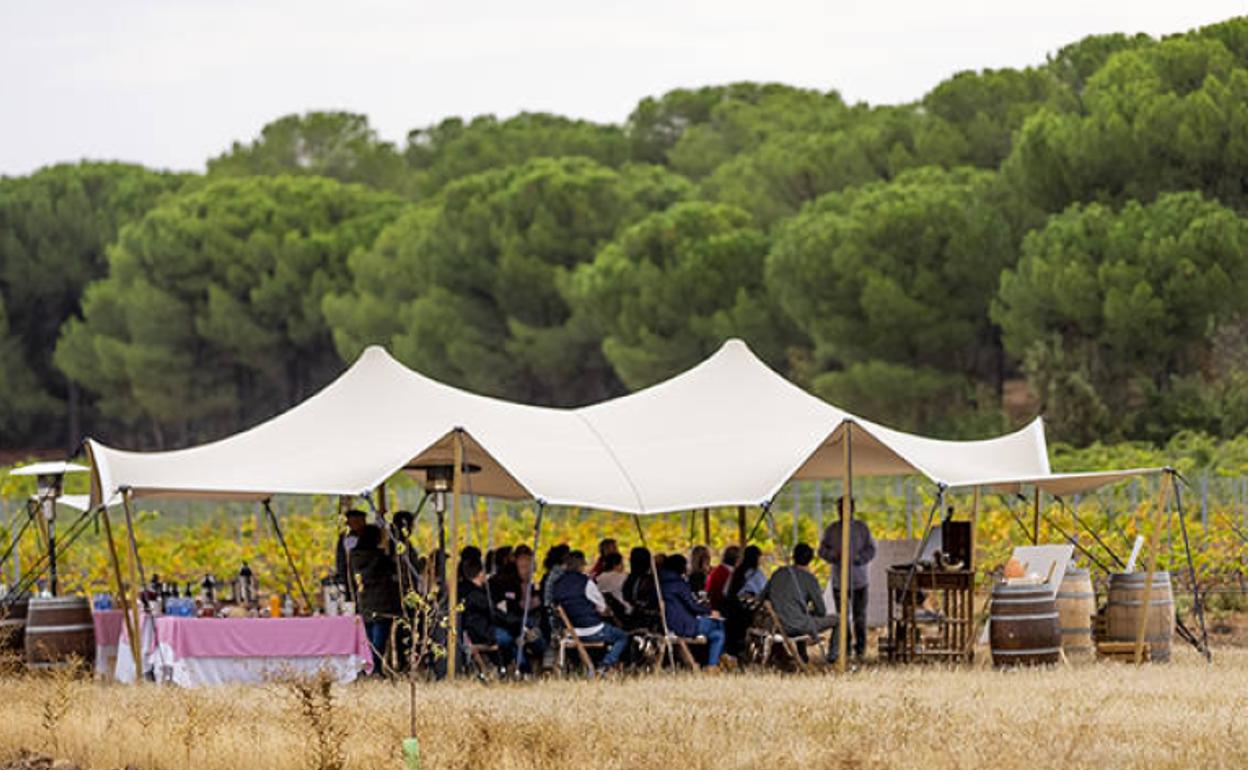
(1198,600)
(528,585)
(290,561)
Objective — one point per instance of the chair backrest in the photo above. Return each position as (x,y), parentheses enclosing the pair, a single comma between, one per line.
(564,621)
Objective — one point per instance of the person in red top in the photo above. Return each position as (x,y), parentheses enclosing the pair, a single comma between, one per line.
(717,581)
(605,547)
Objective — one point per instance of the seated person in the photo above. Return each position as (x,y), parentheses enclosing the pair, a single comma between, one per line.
(686,616)
(740,597)
(477,618)
(796,597)
(717,581)
(611,582)
(507,590)
(586,609)
(639,593)
(699,568)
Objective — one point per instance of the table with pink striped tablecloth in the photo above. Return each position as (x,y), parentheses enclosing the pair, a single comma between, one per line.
(195,651)
(108,625)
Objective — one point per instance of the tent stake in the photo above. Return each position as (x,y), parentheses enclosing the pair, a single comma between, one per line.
(847,520)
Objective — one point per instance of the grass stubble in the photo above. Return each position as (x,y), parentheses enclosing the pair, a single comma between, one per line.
(1103,716)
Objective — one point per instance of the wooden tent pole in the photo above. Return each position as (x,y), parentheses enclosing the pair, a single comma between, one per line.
(974,529)
(1154,539)
(136,585)
(741,537)
(1035,518)
(121,590)
(452,559)
(706,527)
(847,520)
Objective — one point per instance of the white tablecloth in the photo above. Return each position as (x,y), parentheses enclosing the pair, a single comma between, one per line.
(165,665)
(198,672)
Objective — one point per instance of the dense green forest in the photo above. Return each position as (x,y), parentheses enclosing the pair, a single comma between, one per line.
(1080,226)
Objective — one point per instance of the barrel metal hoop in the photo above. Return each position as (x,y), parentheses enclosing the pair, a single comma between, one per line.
(32,630)
(1080,595)
(1041,651)
(1046,616)
(1140,603)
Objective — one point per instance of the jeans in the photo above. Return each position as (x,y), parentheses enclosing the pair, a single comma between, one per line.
(506,645)
(713,630)
(378,632)
(617,643)
(858,621)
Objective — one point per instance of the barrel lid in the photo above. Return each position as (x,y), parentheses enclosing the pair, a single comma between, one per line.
(1021,588)
(1137,577)
(1071,569)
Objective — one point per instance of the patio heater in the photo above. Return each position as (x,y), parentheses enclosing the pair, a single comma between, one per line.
(439,482)
(49,484)
(441,478)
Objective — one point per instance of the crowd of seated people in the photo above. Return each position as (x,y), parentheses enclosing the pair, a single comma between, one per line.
(614,600)
(508,611)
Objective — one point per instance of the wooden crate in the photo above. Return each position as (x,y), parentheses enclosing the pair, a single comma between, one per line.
(1123,652)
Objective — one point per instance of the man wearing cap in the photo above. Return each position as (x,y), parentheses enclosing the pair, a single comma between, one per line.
(357,522)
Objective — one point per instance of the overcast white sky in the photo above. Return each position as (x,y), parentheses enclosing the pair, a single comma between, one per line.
(172,83)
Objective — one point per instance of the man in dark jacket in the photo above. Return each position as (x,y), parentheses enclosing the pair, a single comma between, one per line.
(357,523)
(477,618)
(861,552)
(585,607)
(795,595)
(377,589)
(686,616)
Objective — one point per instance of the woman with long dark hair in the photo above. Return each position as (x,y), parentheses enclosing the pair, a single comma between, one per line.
(740,600)
(639,591)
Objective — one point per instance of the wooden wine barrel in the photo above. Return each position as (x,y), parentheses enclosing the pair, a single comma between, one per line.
(1076,604)
(59,629)
(1024,628)
(13,626)
(1126,603)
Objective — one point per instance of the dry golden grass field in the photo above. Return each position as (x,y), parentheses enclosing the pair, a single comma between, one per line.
(1105,716)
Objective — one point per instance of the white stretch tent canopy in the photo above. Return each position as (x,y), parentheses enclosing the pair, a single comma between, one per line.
(729,431)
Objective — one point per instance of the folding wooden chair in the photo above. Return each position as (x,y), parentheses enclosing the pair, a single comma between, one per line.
(682,643)
(775,632)
(680,646)
(568,639)
(477,657)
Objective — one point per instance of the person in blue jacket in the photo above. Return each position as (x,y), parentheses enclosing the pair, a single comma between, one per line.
(686,616)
